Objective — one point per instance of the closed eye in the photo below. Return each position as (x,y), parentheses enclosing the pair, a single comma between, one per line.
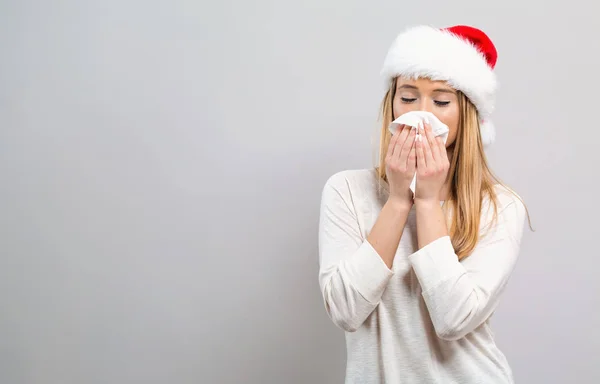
(407,100)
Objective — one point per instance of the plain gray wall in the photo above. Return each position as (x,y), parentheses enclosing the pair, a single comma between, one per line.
(162,164)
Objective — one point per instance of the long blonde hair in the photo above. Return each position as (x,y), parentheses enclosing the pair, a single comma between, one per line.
(471,177)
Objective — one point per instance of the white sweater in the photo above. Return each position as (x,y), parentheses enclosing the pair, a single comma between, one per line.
(426,319)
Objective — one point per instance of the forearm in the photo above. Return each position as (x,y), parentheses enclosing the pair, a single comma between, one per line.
(461,295)
(387,230)
(431,222)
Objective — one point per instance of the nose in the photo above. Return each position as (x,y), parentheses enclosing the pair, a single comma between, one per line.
(425,104)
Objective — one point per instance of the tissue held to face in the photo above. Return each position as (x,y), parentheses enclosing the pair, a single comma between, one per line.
(432,96)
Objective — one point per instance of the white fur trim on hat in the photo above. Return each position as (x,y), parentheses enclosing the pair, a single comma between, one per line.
(488,132)
(437,54)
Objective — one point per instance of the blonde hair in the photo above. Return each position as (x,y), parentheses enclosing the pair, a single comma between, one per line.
(471,177)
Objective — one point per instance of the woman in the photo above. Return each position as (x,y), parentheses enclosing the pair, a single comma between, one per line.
(414,278)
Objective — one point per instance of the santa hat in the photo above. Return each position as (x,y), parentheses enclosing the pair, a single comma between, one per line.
(463,56)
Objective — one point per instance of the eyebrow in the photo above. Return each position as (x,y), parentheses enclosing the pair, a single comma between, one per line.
(446,90)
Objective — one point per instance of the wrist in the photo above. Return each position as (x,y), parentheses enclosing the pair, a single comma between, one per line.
(399,204)
(427,203)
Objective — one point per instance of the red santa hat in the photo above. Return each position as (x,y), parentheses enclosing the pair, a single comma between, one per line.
(463,56)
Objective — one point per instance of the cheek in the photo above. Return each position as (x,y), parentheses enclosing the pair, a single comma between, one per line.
(400,108)
(450,117)
(397,109)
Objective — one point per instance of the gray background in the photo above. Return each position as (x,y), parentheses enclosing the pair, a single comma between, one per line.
(162,164)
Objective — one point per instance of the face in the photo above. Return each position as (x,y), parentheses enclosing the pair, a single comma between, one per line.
(431,96)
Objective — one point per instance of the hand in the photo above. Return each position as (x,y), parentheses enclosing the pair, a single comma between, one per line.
(400,164)
(432,166)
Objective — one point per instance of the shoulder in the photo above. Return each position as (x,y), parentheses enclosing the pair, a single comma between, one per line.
(356,187)
(508,199)
(353,180)
(510,214)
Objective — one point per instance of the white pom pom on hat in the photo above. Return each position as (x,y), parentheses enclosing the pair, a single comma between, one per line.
(461,55)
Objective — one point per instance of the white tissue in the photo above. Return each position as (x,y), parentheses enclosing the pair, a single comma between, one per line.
(415,119)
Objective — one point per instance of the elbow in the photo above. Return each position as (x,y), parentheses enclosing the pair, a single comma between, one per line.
(451,334)
(455,329)
(343,318)
(345,322)
(460,320)
(345,312)
(346,326)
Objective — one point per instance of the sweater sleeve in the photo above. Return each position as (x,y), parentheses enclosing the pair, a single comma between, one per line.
(460,296)
(352,275)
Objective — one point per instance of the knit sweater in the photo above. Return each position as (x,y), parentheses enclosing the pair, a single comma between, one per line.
(425,320)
